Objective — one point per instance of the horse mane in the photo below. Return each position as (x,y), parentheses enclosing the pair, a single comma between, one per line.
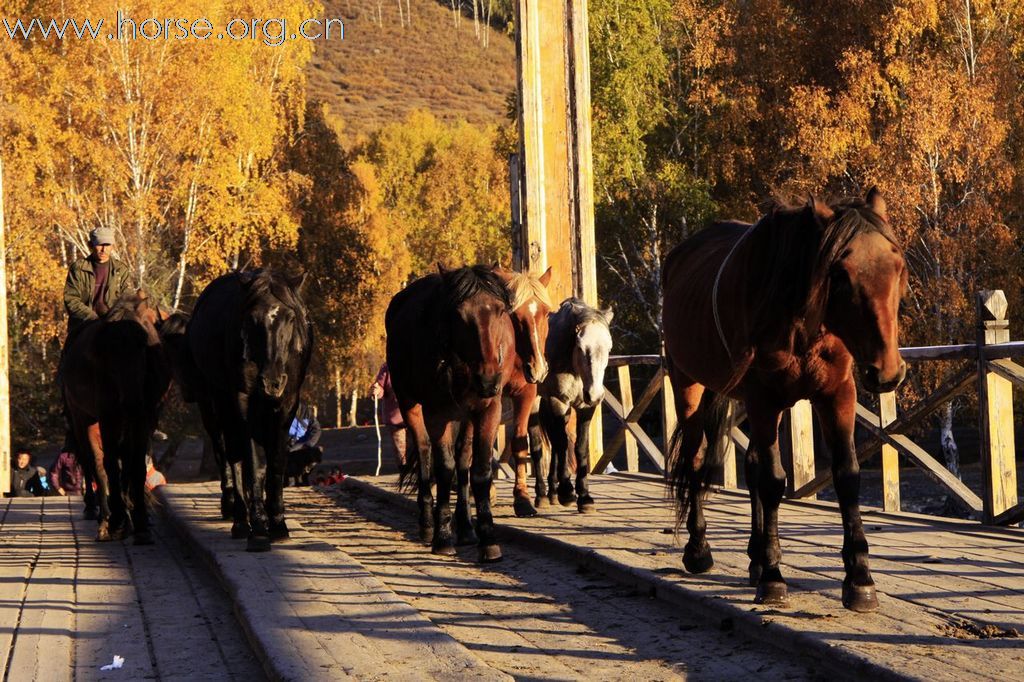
(463,283)
(524,286)
(264,283)
(794,258)
(571,314)
(125,307)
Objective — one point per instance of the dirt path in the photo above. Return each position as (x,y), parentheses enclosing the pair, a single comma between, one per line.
(536,618)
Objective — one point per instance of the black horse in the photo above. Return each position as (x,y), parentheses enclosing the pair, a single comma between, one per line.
(247,349)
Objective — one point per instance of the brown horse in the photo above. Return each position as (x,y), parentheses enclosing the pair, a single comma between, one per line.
(530,307)
(114,377)
(771,314)
(451,351)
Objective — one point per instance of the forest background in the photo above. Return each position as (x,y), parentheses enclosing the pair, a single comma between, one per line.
(366,161)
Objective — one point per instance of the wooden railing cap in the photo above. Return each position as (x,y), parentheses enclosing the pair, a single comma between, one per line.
(992,305)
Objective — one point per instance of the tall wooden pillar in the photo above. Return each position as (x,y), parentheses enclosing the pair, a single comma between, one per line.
(553,218)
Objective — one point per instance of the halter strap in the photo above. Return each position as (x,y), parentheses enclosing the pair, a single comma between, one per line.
(714,291)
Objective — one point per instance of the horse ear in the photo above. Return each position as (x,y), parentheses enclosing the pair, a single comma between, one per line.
(821,210)
(296,281)
(608,315)
(545,279)
(876,203)
(441,269)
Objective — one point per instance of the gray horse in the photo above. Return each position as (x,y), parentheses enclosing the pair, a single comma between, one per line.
(577,349)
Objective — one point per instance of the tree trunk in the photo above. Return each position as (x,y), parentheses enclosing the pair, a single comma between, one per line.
(352,412)
(337,396)
(950,451)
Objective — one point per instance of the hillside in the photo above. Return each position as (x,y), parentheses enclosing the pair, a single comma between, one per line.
(378,74)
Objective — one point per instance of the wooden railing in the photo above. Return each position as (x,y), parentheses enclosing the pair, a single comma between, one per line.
(988,368)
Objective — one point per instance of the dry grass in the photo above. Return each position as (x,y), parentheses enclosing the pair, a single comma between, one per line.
(379,74)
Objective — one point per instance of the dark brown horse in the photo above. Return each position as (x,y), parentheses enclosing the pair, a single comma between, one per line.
(451,351)
(114,377)
(771,314)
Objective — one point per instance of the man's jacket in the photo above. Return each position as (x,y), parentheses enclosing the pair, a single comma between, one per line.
(79,286)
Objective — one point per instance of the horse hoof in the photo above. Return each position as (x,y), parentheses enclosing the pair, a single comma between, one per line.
(239,531)
(279,532)
(443,548)
(142,537)
(566,495)
(490,554)
(427,535)
(258,543)
(776,594)
(523,507)
(541,501)
(90,514)
(552,499)
(586,505)
(103,535)
(860,598)
(698,562)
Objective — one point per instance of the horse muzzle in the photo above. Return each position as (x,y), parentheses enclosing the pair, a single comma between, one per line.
(535,373)
(872,380)
(274,388)
(487,387)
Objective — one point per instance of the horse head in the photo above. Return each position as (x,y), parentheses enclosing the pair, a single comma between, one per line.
(530,308)
(481,334)
(866,279)
(593,346)
(274,328)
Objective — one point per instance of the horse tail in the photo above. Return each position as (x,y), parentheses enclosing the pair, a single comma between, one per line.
(409,471)
(689,475)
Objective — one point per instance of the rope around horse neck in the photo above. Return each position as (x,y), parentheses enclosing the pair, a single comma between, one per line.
(714,291)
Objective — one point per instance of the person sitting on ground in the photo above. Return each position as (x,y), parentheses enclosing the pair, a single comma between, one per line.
(303,452)
(154,478)
(381,388)
(66,474)
(25,480)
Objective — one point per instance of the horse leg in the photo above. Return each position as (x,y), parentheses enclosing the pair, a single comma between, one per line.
(584,416)
(424,498)
(214,429)
(836,416)
(555,418)
(753,473)
(276,453)
(536,436)
(95,441)
(112,451)
(523,400)
(441,440)
(464,533)
(691,400)
(254,477)
(771,484)
(485,429)
(135,472)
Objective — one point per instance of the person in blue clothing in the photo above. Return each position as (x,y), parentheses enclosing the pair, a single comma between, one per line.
(303,452)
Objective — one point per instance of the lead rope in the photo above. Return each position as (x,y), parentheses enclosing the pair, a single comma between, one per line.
(714,291)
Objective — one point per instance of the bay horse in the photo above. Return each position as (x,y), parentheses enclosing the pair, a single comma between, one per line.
(451,351)
(578,347)
(114,377)
(247,349)
(531,305)
(773,313)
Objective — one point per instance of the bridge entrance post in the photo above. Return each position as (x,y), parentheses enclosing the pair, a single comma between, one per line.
(551,177)
(995,410)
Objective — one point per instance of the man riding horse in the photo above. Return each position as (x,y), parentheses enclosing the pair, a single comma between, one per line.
(95,282)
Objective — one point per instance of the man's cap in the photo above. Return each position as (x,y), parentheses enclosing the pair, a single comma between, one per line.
(101,235)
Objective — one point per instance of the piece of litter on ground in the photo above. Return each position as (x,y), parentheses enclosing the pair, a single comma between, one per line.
(118,662)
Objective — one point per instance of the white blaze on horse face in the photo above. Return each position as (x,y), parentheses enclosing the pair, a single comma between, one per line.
(273,314)
(538,349)
(594,343)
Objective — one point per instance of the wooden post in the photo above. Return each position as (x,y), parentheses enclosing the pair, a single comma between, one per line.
(890,458)
(626,391)
(801,439)
(668,415)
(555,161)
(995,410)
(5,388)
(729,479)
